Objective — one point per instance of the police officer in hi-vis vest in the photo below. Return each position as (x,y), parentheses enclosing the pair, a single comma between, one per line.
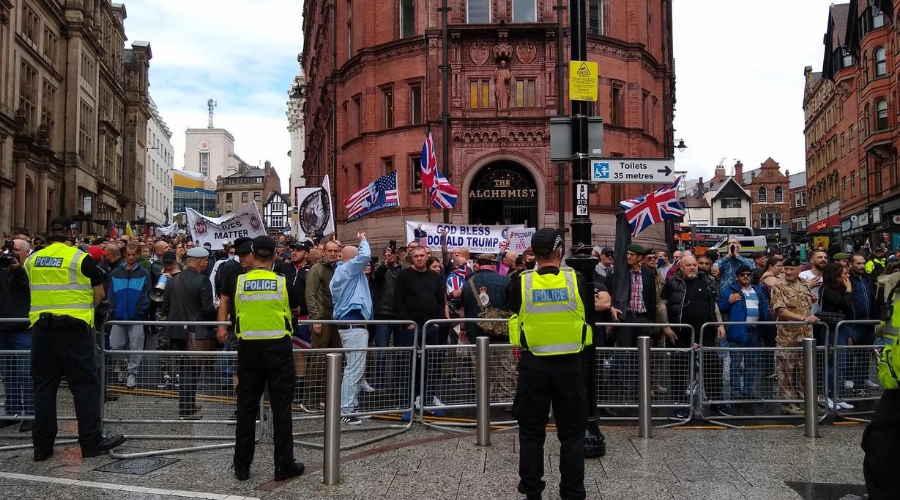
(66,285)
(263,304)
(551,330)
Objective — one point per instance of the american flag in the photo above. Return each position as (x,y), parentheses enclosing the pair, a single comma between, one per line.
(649,209)
(379,194)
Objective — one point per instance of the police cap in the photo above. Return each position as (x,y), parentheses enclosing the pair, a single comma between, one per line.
(263,246)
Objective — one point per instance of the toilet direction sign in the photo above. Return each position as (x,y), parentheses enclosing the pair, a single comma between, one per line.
(633,170)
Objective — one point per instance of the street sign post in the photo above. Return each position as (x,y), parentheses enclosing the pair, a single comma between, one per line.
(634,170)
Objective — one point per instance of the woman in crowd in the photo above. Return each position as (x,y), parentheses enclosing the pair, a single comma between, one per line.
(836,297)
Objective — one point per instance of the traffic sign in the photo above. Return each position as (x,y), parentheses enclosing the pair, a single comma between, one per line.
(635,170)
(583,80)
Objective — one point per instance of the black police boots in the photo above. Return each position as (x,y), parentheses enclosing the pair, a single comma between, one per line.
(594,442)
(283,473)
(241,472)
(107,444)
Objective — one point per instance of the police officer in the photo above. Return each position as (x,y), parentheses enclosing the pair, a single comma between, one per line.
(66,286)
(263,303)
(550,328)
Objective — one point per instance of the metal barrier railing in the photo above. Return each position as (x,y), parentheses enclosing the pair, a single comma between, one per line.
(672,371)
(759,379)
(177,389)
(447,378)
(853,377)
(389,371)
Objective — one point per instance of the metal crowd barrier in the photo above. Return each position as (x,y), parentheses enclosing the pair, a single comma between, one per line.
(672,371)
(764,382)
(388,370)
(854,372)
(447,378)
(177,391)
(15,369)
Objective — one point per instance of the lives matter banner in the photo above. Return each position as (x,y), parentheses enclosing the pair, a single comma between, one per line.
(245,221)
(477,238)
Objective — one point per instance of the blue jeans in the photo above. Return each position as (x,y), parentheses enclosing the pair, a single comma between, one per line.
(743,365)
(16,372)
(852,363)
(355,338)
(407,339)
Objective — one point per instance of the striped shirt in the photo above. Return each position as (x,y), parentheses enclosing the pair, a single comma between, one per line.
(752,302)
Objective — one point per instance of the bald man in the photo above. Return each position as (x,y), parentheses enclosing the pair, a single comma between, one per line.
(352,302)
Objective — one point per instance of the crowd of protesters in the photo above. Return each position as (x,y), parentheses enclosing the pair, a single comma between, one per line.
(171,278)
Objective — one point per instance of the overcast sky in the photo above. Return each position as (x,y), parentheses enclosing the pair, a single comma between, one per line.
(739,69)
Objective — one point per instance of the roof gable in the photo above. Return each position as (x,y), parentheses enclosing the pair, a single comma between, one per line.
(730,189)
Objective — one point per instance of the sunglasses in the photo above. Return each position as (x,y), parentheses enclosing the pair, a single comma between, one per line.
(745,274)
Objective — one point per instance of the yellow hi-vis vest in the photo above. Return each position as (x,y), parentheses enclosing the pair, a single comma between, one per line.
(261,306)
(551,319)
(57,285)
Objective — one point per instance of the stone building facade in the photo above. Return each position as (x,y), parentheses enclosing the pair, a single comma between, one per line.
(502,93)
(248,184)
(73,114)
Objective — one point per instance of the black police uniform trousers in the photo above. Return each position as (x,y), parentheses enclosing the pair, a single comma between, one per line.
(62,345)
(261,363)
(557,381)
(880,442)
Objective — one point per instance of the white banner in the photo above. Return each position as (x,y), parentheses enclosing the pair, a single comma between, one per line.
(478,239)
(520,239)
(245,221)
(170,230)
(316,215)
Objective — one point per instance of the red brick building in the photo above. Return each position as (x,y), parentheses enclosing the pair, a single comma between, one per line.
(853,183)
(769,190)
(502,93)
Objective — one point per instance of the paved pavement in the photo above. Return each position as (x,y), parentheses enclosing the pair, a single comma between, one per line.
(425,464)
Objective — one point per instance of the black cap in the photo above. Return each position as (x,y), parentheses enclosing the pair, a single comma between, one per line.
(169,257)
(243,245)
(546,240)
(791,262)
(62,223)
(607,251)
(263,246)
(743,268)
(301,245)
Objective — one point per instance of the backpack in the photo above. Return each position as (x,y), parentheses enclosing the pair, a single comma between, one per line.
(889,361)
(496,328)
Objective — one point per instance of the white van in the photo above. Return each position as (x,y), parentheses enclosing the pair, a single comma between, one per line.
(749,245)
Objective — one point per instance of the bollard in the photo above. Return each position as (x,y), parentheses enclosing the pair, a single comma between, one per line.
(331,468)
(644,420)
(482,392)
(810,392)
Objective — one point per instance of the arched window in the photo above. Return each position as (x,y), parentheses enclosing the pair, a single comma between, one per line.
(881,114)
(880,62)
(779,195)
(763,195)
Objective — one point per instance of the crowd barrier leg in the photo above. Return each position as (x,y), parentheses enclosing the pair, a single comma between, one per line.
(331,456)
(483,392)
(811,417)
(645,422)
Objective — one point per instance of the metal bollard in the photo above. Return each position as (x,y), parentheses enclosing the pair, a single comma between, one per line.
(331,468)
(644,419)
(810,389)
(482,392)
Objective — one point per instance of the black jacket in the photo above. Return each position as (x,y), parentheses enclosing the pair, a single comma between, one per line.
(188,297)
(15,297)
(649,292)
(384,281)
(674,293)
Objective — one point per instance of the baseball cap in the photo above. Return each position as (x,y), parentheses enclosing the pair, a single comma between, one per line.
(607,251)
(62,223)
(242,245)
(169,257)
(301,245)
(546,240)
(263,246)
(97,253)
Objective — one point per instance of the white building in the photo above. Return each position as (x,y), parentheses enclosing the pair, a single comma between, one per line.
(297,94)
(160,163)
(276,213)
(729,204)
(210,152)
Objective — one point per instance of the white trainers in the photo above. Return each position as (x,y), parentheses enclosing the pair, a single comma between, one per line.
(365,387)
(871,385)
(848,384)
(130,381)
(845,405)
(418,403)
(436,402)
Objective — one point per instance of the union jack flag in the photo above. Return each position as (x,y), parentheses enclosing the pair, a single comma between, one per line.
(649,209)
(443,194)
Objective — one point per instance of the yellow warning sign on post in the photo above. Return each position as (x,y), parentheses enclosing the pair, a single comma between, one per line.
(583,80)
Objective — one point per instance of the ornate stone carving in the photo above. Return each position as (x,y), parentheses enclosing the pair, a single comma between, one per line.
(479,54)
(526,53)
(503,51)
(502,80)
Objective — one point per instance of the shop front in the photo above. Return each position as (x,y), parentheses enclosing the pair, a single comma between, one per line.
(885,220)
(824,232)
(855,230)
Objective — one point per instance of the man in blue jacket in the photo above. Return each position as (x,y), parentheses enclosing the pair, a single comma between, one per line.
(129,300)
(741,301)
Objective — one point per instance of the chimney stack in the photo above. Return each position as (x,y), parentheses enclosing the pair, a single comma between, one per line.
(700,187)
(739,172)
(268,165)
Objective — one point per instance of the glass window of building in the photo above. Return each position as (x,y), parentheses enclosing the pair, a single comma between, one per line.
(595,17)
(407,18)
(524,11)
(478,11)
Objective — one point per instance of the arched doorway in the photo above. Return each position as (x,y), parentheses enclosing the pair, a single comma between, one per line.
(503,192)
